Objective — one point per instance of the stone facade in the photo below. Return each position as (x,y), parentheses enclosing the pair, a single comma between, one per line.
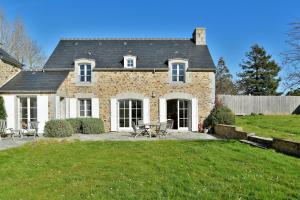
(7,72)
(151,84)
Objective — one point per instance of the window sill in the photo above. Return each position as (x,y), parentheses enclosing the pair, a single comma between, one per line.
(178,83)
(84,84)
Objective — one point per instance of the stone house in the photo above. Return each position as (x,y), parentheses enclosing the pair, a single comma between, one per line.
(119,80)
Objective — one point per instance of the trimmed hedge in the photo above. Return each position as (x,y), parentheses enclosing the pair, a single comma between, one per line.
(58,128)
(87,125)
(92,126)
(76,124)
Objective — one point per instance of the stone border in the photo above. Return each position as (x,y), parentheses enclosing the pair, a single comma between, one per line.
(281,145)
(286,146)
(231,132)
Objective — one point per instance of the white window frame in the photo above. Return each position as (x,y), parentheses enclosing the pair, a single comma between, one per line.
(129,58)
(178,61)
(130,113)
(84,61)
(85,110)
(85,70)
(28,110)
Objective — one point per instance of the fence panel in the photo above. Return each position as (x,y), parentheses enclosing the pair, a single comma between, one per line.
(245,105)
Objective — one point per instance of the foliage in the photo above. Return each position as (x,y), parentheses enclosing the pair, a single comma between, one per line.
(292,56)
(219,115)
(92,126)
(131,170)
(76,124)
(260,73)
(3,114)
(295,92)
(58,128)
(18,43)
(87,125)
(224,82)
(281,126)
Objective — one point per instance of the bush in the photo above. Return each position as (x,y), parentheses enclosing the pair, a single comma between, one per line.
(92,126)
(58,128)
(2,109)
(220,115)
(76,124)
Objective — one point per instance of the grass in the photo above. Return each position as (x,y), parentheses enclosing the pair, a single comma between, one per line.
(147,170)
(282,126)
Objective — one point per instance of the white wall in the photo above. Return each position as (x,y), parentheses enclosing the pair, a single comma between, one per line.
(10,106)
(42,111)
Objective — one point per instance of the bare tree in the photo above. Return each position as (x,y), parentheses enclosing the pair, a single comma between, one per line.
(292,56)
(17,42)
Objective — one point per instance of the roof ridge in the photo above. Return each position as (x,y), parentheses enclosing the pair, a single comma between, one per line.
(125,39)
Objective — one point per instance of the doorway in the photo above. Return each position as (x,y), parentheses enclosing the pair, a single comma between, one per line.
(178,111)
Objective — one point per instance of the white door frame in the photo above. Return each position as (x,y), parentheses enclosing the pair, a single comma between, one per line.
(178,116)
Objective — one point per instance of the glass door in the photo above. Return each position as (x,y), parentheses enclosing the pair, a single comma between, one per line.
(129,111)
(28,111)
(183,119)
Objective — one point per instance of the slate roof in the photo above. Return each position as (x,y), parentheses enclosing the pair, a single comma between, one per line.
(34,82)
(8,58)
(108,53)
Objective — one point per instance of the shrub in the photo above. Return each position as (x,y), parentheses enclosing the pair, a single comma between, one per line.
(76,124)
(220,115)
(2,109)
(92,126)
(58,128)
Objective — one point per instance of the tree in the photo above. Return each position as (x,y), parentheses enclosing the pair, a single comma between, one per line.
(260,73)
(17,42)
(294,92)
(2,109)
(224,83)
(292,57)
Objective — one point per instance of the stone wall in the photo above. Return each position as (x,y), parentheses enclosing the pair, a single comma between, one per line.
(151,84)
(230,132)
(286,147)
(7,72)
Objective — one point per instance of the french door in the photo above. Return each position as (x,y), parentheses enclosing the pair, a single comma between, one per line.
(129,111)
(183,114)
(28,111)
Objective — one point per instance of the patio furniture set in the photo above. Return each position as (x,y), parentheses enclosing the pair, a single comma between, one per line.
(151,129)
(27,130)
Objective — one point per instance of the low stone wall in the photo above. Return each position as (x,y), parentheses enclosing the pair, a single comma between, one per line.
(230,132)
(286,146)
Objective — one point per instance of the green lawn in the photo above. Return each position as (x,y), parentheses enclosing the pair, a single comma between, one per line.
(282,126)
(147,170)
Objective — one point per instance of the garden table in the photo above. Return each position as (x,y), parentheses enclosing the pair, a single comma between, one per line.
(148,127)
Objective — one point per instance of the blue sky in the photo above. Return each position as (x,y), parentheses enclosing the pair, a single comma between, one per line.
(232,25)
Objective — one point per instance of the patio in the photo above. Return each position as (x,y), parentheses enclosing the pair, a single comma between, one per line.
(113,136)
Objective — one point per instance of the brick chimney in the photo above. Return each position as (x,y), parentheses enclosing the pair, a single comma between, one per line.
(199,36)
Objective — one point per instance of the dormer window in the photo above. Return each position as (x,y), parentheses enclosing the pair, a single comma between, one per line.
(129,61)
(177,70)
(85,73)
(84,69)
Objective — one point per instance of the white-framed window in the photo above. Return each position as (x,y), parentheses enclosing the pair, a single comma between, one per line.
(130,110)
(85,73)
(129,61)
(28,111)
(84,70)
(85,107)
(178,72)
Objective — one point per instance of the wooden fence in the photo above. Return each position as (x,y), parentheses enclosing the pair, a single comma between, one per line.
(245,105)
